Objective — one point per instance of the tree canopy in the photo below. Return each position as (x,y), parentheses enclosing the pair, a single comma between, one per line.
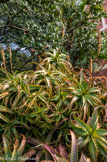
(45,25)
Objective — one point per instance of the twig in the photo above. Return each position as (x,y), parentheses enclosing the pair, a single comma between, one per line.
(101,68)
(12,26)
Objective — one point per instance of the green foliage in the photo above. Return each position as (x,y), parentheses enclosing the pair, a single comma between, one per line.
(17,154)
(59,154)
(41,104)
(47,25)
(4,109)
(90,134)
(83,94)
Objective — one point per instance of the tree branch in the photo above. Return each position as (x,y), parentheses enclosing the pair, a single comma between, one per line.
(3,1)
(12,26)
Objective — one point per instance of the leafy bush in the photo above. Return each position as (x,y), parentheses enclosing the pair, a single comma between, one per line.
(44,25)
(41,104)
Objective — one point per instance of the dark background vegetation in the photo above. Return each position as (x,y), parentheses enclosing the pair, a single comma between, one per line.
(44,25)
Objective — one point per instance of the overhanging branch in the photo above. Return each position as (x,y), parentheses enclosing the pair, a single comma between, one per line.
(12,26)
(3,1)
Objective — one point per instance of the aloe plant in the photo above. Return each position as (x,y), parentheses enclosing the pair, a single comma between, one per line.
(58,153)
(39,100)
(44,146)
(83,94)
(48,76)
(91,135)
(16,87)
(73,156)
(56,58)
(15,155)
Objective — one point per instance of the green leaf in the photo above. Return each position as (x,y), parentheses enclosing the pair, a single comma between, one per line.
(34,87)
(83,125)
(74,99)
(92,150)
(24,86)
(5,109)
(80,140)
(6,148)
(85,142)
(89,100)
(15,150)
(21,148)
(101,132)
(10,76)
(93,90)
(78,130)
(102,141)
(74,150)
(94,126)
(4,118)
(93,118)
(102,150)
